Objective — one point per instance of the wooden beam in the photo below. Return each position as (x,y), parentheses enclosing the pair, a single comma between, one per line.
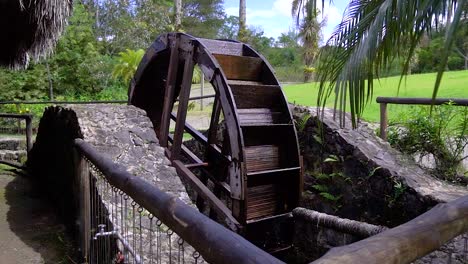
(197,135)
(194,158)
(234,137)
(207,195)
(183,103)
(409,241)
(169,93)
(196,165)
(213,130)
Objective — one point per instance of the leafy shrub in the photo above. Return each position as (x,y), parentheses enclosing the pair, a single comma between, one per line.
(442,134)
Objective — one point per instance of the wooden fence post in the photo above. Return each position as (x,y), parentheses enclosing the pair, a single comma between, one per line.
(83,194)
(28,133)
(383,121)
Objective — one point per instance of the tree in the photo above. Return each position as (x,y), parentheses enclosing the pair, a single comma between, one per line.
(288,40)
(178,14)
(203,18)
(374,33)
(123,24)
(230,28)
(461,41)
(309,32)
(127,65)
(242,33)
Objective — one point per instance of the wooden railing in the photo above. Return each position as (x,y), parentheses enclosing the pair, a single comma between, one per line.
(384,101)
(28,120)
(409,241)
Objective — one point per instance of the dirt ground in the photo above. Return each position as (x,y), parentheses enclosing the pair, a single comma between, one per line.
(30,232)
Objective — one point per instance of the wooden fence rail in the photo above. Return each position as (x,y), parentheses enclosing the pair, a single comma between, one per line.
(28,120)
(383,101)
(409,241)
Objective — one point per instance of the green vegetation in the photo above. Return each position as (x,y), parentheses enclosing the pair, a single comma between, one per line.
(454,85)
(373,35)
(442,135)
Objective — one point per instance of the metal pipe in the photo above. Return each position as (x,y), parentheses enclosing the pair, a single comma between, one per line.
(125,243)
(214,242)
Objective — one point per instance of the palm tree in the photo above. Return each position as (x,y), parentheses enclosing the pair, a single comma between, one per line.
(309,33)
(371,35)
(242,33)
(178,15)
(127,64)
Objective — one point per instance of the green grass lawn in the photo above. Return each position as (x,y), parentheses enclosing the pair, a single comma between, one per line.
(454,85)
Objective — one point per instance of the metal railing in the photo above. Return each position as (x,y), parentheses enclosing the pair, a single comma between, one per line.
(384,101)
(125,219)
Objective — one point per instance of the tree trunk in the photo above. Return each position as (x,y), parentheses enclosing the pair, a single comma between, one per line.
(242,21)
(51,87)
(178,15)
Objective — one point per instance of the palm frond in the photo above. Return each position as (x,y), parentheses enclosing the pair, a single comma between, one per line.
(304,7)
(371,35)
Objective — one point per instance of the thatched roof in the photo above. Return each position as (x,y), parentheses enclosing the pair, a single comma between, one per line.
(30,29)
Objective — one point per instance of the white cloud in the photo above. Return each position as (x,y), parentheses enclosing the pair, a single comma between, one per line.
(282,7)
(232,11)
(332,13)
(260,13)
(333,16)
(276,19)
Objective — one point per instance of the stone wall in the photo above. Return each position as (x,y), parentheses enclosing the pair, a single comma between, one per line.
(354,174)
(13,149)
(122,133)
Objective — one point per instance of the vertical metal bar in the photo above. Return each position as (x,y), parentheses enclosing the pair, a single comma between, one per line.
(133,229)
(383,121)
(465,248)
(169,92)
(183,103)
(151,231)
(140,210)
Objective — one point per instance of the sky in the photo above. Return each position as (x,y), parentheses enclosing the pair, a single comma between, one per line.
(274,16)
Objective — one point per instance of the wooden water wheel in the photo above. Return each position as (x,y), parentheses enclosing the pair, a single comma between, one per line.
(256,164)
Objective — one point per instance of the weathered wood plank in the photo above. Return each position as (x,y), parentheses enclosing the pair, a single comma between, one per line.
(260,158)
(257,96)
(262,201)
(183,103)
(207,195)
(241,68)
(258,116)
(169,93)
(222,47)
